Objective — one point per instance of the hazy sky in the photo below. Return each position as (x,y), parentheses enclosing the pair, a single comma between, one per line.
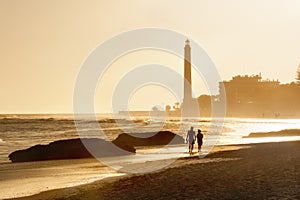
(44,42)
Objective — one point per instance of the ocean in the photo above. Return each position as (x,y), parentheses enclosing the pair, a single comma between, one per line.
(23,131)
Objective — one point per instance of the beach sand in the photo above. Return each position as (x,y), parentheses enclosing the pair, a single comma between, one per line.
(256,171)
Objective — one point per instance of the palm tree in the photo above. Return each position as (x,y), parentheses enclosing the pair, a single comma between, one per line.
(168,108)
(155,109)
(176,105)
(298,74)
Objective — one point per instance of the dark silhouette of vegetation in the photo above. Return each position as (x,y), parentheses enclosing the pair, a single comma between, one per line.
(177,106)
(298,74)
(168,108)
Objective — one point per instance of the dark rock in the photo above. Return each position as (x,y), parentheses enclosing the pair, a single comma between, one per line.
(282,133)
(71,149)
(149,139)
(94,147)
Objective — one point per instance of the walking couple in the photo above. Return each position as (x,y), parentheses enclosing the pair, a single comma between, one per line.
(191,137)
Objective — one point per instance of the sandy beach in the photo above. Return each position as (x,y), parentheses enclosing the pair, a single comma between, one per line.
(105,100)
(256,171)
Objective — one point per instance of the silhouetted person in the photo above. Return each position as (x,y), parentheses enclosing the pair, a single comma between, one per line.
(190,139)
(199,140)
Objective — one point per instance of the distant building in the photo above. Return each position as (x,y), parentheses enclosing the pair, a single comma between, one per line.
(251,96)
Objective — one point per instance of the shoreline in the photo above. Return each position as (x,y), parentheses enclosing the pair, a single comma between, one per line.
(244,167)
(50,194)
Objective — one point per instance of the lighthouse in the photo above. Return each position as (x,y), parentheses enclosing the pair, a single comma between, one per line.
(187,72)
(189,105)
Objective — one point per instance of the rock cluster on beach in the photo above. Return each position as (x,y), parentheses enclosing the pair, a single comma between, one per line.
(282,133)
(70,149)
(124,144)
(149,139)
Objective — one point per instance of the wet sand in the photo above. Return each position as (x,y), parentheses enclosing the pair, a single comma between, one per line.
(29,178)
(258,171)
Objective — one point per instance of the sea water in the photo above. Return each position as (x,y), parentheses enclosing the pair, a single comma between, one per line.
(23,131)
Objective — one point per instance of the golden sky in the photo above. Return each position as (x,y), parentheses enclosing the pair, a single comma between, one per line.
(44,42)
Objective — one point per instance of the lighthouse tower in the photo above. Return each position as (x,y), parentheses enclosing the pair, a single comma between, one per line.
(189,105)
(187,72)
